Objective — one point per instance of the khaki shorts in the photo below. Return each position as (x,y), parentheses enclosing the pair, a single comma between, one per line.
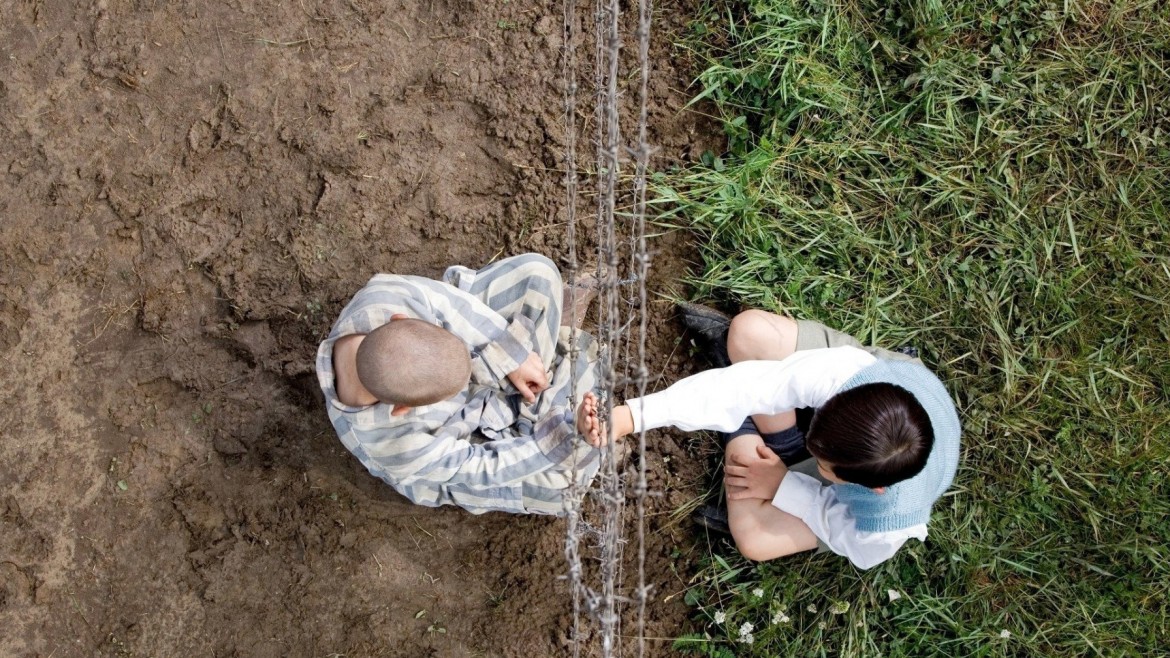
(811,335)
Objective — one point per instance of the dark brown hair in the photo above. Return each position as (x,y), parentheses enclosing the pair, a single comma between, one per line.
(874,435)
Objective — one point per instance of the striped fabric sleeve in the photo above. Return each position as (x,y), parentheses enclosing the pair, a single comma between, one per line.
(419,454)
(507,498)
(497,346)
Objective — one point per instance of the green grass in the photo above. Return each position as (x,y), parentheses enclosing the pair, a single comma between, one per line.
(987,181)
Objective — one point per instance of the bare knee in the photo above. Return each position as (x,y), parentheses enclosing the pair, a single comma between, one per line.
(751,546)
(761,546)
(746,527)
(751,551)
(759,335)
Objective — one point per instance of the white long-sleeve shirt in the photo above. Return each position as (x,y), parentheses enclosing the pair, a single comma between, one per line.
(720,399)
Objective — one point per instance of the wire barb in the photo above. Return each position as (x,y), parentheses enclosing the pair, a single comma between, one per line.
(621,330)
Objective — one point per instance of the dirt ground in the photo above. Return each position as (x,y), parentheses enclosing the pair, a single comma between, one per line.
(190,192)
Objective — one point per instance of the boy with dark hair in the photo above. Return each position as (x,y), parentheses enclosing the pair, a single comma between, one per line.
(884,437)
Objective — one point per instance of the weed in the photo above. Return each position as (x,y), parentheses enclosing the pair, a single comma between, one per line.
(496,599)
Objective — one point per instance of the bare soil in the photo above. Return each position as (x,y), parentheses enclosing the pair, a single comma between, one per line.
(190,192)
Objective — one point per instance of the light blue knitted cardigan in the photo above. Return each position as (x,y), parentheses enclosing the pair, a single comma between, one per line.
(908,503)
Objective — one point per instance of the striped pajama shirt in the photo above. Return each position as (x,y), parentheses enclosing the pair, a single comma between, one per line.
(485,449)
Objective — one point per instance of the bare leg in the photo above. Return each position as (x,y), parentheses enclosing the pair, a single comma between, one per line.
(762,336)
(761,531)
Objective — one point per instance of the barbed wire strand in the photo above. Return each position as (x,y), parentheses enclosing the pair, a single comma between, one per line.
(609,485)
(640,267)
(603,603)
(573,502)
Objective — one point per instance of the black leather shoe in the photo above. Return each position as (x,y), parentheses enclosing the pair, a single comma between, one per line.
(705,321)
(711,326)
(713,518)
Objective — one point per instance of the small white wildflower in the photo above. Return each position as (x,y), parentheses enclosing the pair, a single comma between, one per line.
(1005,633)
(758,592)
(812,607)
(780,618)
(720,617)
(822,625)
(747,639)
(746,629)
(839,607)
(893,594)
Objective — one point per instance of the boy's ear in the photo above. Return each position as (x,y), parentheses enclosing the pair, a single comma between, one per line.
(399,316)
(878,490)
(400,410)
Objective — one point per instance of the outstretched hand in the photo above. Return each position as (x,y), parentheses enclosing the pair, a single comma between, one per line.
(595,432)
(588,424)
(757,477)
(530,378)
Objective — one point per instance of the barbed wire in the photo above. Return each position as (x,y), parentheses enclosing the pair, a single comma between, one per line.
(573,503)
(641,266)
(621,328)
(609,481)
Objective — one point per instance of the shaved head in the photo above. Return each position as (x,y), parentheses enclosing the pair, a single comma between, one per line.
(412,363)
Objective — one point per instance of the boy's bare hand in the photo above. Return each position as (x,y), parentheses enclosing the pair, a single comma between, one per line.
(595,432)
(754,478)
(530,378)
(588,424)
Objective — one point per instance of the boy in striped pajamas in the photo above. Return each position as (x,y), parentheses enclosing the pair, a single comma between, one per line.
(443,388)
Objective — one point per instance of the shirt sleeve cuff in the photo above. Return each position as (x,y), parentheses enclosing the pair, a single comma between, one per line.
(642,411)
(504,354)
(797,494)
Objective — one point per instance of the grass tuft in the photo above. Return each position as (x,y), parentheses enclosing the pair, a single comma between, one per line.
(985,180)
